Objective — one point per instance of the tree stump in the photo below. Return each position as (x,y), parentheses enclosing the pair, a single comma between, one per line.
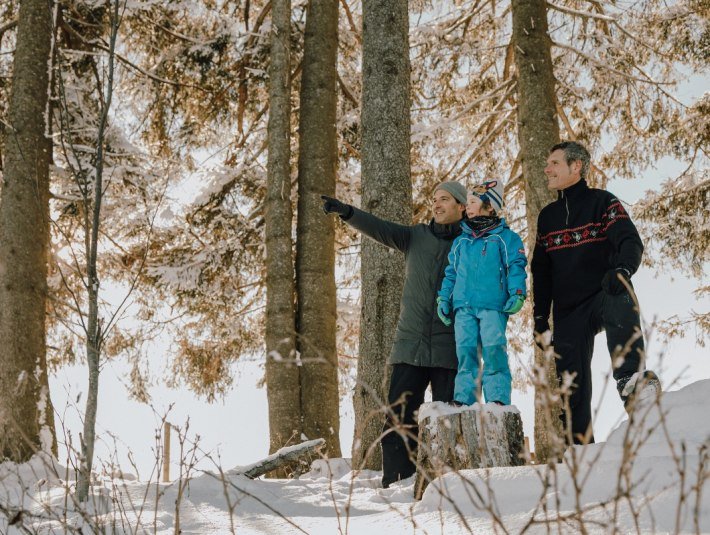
(456,438)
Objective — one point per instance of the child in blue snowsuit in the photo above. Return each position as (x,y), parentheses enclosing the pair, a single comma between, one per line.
(484,283)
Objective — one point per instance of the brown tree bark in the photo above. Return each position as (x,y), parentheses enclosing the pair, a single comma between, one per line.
(538,130)
(315,248)
(25,406)
(282,374)
(467,440)
(387,193)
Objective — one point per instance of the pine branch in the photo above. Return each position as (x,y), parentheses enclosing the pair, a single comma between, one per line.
(351,22)
(483,144)
(7,26)
(607,67)
(346,91)
(141,70)
(492,93)
(486,125)
(182,37)
(583,14)
(101,46)
(568,126)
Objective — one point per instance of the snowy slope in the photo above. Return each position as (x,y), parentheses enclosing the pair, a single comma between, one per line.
(649,477)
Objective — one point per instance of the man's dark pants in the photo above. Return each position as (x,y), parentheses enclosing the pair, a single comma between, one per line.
(406,394)
(573,341)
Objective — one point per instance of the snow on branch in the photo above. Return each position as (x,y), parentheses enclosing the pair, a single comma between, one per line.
(585,14)
(608,67)
(491,94)
(10,25)
(282,457)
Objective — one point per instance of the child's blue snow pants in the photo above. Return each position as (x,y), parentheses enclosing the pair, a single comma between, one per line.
(485,329)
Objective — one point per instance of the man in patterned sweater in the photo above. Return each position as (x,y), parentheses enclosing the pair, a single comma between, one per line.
(586,251)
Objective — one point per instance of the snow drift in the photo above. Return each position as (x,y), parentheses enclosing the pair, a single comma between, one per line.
(650,476)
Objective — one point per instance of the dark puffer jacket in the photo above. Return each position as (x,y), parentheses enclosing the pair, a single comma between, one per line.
(421,339)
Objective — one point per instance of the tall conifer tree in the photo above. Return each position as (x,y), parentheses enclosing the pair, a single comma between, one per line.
(315,246)
(386,193)
(25,406)
(538,130)
(282,374)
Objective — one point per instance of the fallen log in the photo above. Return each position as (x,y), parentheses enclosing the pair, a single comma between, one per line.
(457,438)
(285,456)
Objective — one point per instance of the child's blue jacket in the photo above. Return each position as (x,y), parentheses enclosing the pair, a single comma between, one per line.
(486,269)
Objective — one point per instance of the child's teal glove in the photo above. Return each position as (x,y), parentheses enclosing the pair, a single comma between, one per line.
(443,309)
(514,304)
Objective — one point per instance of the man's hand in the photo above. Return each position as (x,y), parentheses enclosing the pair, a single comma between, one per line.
(443,310)
(334,206)
(616,281)
(514,304)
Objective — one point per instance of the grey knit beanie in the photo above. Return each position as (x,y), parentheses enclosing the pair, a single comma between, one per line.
(456,189)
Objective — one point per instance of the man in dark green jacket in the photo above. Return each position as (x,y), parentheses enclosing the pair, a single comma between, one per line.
(424,350)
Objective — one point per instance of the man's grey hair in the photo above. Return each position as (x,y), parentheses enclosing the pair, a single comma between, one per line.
(575,152)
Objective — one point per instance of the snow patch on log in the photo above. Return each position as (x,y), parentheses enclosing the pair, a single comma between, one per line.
(281,457)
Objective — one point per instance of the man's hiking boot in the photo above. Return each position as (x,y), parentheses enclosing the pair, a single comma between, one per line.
(641,388)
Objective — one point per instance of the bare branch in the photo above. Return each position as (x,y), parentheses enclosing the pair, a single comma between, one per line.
(584,14)
(7,26)
(603,65)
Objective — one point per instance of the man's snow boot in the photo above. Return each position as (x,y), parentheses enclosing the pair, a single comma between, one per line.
(396,463)
(640,388)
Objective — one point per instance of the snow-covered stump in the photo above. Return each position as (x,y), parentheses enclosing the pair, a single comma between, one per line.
(457,438)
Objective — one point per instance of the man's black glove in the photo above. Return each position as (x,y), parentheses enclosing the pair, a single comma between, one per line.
(615,281)
(334,206)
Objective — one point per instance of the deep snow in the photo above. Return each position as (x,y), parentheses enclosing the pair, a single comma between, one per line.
(650,477)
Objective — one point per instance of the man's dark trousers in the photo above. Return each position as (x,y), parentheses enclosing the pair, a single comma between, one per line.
(406,394)
(573,341)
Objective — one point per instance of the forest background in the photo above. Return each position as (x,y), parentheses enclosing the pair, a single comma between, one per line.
(170,103)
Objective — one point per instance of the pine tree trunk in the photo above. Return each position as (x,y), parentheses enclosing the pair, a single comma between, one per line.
(387,193)
(538,130)
(315,249)
(282,374)
(24,236)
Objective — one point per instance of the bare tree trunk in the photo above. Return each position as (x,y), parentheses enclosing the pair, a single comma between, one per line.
(94,336)
(24,236)
(538,130)
(282,374)
(315,249)
(387,193)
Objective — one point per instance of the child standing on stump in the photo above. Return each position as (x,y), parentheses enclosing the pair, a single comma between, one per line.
(484,283)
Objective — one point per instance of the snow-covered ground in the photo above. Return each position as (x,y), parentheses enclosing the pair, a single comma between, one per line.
(650,477)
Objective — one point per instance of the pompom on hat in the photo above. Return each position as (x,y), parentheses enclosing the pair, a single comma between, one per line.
(491,191)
